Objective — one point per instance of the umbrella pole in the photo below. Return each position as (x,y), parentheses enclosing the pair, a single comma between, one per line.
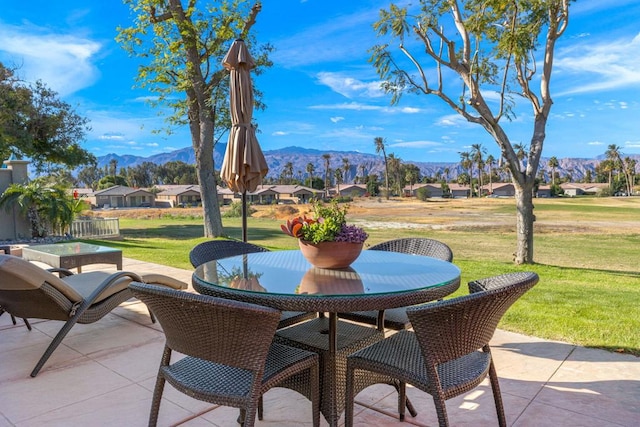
(244,216)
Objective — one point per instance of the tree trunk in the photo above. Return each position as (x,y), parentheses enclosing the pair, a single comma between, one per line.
(208,186)
(524,222)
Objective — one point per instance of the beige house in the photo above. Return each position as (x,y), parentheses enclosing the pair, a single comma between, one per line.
(349,190)
(434,190)
(504,189)
(13,226)
(578,188)
(459,191)
(120,196)
(178,195)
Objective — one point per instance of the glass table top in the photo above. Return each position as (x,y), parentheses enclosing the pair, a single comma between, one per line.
(72,248)
(289,273)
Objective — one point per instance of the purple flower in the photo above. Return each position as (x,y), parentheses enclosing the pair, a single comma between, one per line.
(352,234)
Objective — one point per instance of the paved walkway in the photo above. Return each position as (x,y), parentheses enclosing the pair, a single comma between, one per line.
(103,375)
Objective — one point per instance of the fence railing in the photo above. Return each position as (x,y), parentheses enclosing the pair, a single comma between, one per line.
(96,227)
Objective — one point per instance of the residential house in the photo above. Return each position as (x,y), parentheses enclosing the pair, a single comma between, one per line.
(504,189)
(433,190)
(458,191)
(120,196)
(580,188)
(543,191)
(349,190)
(178,195)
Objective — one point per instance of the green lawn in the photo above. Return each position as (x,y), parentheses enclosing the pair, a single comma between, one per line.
(589,292)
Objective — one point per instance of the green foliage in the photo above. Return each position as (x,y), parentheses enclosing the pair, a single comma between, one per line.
(111,180)
(49,208)
(422,193)
(35,123)
(235,210)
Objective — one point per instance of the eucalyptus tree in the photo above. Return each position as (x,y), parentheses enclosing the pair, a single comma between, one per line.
(395,172)
(182,49)
(380,148)
(492,48)
(629,169)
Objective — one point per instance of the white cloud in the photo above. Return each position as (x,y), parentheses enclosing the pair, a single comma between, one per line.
(68,58)
(452,120)
(595,143)
(336,119)
(350,87)
(599,65)
(112,136)
(279,133)
(415,144)
(356,106)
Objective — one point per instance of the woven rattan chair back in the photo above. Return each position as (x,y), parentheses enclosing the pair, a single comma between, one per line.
(228,345)
(416,246)
(216,249)
(453,328)
(441,357)
(396,318)
(218,330)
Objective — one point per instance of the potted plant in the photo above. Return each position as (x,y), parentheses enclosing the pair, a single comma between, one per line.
(326,240)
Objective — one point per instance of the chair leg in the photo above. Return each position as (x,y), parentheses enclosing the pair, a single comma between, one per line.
(56,342)
(159,389)
(349,398)
(26,322)
(441,410)
(497,396)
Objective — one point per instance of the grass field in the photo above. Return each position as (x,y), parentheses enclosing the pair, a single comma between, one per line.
(586,252)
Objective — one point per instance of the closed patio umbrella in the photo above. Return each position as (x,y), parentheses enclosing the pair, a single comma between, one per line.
(244,165)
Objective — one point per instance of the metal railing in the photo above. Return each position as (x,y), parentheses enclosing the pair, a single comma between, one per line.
(95,227)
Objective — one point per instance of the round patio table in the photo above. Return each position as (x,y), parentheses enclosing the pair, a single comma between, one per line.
(285,280)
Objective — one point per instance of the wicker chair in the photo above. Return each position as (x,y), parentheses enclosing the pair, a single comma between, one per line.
(231,358)
(29,291)
(396,318)
(216,249)
(441,357)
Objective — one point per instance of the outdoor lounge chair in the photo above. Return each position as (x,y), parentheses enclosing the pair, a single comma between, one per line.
(231,358)
(29,291)
(396,318)
(216,249)
(442,356)
(13,319)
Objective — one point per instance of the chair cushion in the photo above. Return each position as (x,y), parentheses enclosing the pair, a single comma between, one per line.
(161,279)
(86,283)
(21,275)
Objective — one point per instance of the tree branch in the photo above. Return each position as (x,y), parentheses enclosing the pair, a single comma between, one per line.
(255,9)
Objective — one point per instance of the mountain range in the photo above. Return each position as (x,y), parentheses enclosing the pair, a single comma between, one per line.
(373,164)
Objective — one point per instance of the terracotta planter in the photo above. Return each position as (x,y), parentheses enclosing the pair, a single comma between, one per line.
(324,281)
(330,254)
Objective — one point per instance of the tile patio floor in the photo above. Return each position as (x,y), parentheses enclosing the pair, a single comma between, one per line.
(103,375)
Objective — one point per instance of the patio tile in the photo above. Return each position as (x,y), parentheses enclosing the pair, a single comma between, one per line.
(541,415)
(56,387)
(103,374)
(599,384)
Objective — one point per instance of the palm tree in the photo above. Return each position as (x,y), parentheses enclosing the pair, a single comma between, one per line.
(379,142)
(47,208)
(345,168)
(553,164)
(521,152)
(614,155)
(491,161)
(310,170)
(395,169)
(327,178)
(467,164)
(476,155)
(287,171)
(337,174)
(446,174)
(363,170)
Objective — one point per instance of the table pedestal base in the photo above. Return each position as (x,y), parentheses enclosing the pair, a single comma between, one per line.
(314,335)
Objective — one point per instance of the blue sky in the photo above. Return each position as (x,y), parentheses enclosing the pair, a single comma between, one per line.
(321,92)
